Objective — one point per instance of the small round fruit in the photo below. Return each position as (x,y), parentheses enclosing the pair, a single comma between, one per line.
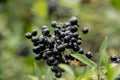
(113,58)
(28,35)
(81,51)
(36,49)
(34,32)
(61,48)
(89,54)
(58,74)
(38,56)
(46,32)
(53,23)
(73,20)
(34,39)
(74,28)
(85,30)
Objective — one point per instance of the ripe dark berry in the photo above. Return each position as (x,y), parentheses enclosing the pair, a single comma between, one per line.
(73,20)
(49,53)
(46,32)
(34,32)
(58,74)
(28,35)
(85,30)
(44,27)
(75,48)
(42,40)
(89,54)
(67,56)
(81,51)
(113,58)
(79,42)
(44,56)
(55,51)
(74,28)
(38,56)
(73,40)
(51,59)
(53,23)
(34,39)
(56,31)
(66,39)
(58,41)
(54,68)
(61,48)
(36,49)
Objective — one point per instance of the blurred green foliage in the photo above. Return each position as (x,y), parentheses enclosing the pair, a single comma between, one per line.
(19,16)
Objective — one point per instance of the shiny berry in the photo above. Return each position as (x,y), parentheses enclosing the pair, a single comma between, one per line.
(74,28)
(53,23)
(85,30)
(28,35)
(81,51)
(34,39)
(58,74)
(73,20)
(89,54)
(113,58)
(46,32)
(61,48)
(34,32)
(36,49)
(38,56)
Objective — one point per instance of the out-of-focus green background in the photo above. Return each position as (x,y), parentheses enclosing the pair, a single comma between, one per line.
(17,17)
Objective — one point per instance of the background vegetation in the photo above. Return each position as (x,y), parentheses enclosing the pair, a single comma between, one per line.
(17,17)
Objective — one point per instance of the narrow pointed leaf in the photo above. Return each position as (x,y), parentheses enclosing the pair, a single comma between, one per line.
(102,50)
(37,71)
(84,59)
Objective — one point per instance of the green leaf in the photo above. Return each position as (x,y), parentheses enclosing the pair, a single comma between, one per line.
(49,75)
(37,71)
(69,70)
(84,59)
(102,50)
(103,45)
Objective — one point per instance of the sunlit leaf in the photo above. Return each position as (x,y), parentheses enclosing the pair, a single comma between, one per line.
(84,59)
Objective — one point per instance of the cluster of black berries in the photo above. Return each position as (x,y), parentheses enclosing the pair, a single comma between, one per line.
(114,59)
(51,47)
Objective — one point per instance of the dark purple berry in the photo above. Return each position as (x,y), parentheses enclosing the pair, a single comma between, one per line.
(73,20)
(46,32)
(38,56)
(89,54)
(61,48)
(58,74)
(85,30)
(28,35)
(53,23)
(34,32)
(113,58)
(81,51)
(35,39)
